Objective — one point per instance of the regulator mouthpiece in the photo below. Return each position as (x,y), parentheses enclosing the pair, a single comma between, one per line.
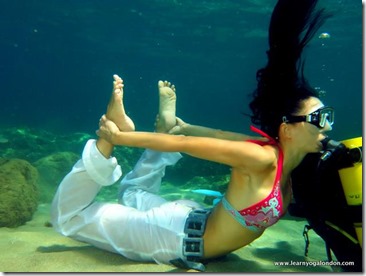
(344,156)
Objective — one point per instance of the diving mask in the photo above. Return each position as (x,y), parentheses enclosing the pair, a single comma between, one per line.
(318,118)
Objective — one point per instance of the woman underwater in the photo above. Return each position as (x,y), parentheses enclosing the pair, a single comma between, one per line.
(145,227)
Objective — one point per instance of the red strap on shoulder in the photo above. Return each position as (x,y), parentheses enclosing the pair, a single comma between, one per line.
(270,142)
(262,133)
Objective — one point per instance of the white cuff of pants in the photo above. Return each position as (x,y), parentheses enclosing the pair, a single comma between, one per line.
(102,170)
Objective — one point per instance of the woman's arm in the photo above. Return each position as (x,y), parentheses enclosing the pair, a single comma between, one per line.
(232,153)
(183,128)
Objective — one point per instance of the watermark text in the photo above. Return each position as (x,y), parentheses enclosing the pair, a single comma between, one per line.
(313,263)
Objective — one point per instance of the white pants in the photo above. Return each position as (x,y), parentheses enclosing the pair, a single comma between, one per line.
(143,227)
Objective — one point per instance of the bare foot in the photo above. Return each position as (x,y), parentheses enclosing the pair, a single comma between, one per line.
(115,110)
(167,101)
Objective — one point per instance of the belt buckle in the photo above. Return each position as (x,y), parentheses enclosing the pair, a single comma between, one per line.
(192,247)
(196,223)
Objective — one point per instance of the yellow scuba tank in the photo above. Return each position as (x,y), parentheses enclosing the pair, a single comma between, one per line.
(351,178)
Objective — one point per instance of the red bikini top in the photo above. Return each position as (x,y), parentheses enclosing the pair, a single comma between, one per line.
(269,210)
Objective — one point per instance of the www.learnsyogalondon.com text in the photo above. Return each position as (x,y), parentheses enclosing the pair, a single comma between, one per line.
(313,263)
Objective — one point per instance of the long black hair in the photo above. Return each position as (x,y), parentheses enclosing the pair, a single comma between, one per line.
(281,83)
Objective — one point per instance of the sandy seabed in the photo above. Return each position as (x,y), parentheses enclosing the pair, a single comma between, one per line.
(36,247)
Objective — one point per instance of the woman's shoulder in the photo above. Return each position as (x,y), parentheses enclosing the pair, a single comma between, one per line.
(258,156)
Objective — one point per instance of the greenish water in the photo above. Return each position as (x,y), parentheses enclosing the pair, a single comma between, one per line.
(58,58)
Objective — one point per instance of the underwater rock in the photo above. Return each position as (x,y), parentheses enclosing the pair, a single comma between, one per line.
(26,143)
(33,144)
(52,169)
(18,192)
